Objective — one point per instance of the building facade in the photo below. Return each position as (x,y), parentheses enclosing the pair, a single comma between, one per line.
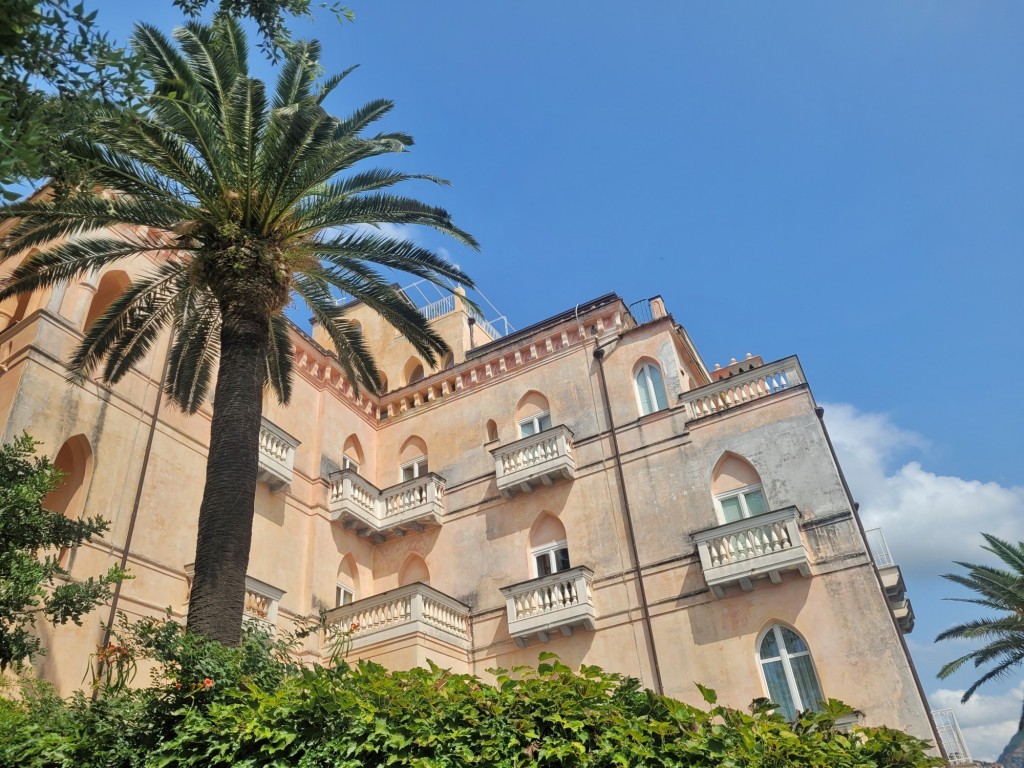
(584,486)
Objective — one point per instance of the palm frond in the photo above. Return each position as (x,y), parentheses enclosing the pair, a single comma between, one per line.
(127,328)
(279,359)
(194,351)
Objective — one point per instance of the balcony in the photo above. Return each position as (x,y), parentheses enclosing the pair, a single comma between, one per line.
(410,610)
(543,458)
(559,602)
(408,507)
(743,388)
(892,580)
(277,456)
(752,548)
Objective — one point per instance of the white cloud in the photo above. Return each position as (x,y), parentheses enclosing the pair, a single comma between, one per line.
(929,520)
(987,721)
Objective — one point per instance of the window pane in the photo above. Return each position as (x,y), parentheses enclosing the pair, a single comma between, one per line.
(409,472)
(731,509)
(658,385)
(794,643)
(545,422)
(544,564)
(755,502)
(806,682)
(770,645)
(526,428)
(421,468)
(778,688)
(642,392)
(562,559)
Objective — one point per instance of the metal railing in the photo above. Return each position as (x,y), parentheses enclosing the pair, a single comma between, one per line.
(438,308)
(879,548)
(952,737)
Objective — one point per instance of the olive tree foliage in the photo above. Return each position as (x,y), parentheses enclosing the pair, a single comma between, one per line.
(58,69)
(33,582)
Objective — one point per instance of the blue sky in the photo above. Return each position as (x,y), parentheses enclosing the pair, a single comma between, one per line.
(844,181)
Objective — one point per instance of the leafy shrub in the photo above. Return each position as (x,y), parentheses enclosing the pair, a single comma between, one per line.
(263,710)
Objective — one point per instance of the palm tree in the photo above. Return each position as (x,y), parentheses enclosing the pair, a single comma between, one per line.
(247,191)
(1001,589)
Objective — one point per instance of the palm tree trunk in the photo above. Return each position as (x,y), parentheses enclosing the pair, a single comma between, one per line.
(226,514)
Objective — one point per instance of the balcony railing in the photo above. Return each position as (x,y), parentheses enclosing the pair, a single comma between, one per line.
(892,579)
(416,608)
(559,602)
(752,548)
(277,456)
(409,506)
(744,388)
(542,458)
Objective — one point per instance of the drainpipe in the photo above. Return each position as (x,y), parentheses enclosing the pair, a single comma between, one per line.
(645,613)
(471,321)
(108,629)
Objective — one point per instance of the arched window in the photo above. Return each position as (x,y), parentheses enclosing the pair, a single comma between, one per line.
(413,459)
(111,286)
(352,457)
(74,459)
(414,569)
(549,548)
(737,488)
(492,430)
(413,371)
(533,414)
(650,389)
(345,591)
(788,671)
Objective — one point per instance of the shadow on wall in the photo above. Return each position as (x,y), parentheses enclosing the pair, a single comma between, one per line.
(270,505)
(732,616)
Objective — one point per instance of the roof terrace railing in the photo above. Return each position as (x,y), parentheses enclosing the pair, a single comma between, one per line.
(879,548)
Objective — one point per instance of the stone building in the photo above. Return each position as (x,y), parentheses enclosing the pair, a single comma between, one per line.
(584,486)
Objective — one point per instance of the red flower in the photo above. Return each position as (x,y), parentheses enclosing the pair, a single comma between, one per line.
(208,683)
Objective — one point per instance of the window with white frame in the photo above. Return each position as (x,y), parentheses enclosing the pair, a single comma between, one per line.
(347,463)
(741,503)
(788,671)
(415,468)
(534,424)
(552,558)
(343,595)
(650,389)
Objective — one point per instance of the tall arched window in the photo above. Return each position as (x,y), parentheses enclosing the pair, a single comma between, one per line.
(650,389)
(413,371)
(112,285)
(788,671)
(345,591)
(74,459)
(737,488)
(413,459)
(352,457)
(549,547)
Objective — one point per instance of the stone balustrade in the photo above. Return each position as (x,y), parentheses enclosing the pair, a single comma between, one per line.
(409,506)
(743,388)
(561,601)
(542,458)
(416,608)
(277,456)
(745,550)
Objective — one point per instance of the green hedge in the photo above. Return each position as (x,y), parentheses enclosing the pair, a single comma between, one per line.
(208,709)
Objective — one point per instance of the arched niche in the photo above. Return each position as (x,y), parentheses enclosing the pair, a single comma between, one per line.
(413,570)
(111,286)
(412,372)
(531,404)
(353,453)
(546,530)
(492,431)
(74,459)
(732,472)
